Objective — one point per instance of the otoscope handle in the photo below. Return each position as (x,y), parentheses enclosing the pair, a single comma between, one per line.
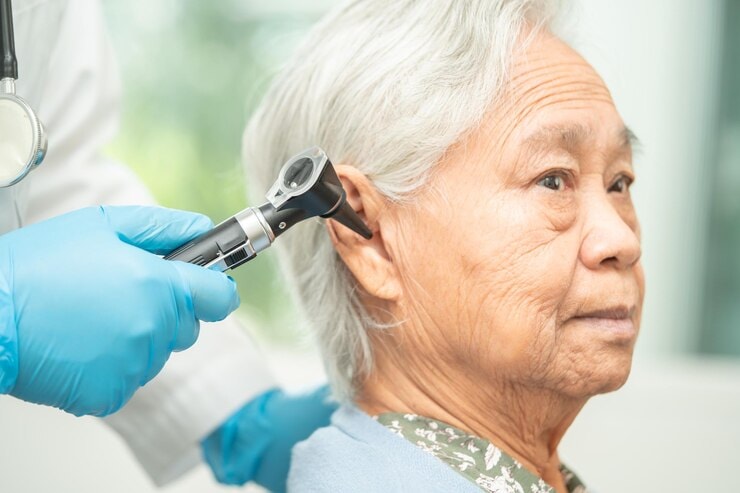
(307,187)
(230,244)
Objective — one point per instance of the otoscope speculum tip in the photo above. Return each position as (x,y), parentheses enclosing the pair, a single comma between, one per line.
(308,186)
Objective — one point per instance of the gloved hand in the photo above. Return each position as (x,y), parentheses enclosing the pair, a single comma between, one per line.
(256,442)
(88,314)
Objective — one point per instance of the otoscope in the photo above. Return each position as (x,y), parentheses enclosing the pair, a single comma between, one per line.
(307,186)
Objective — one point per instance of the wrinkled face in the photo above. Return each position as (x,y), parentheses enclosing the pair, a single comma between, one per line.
(521,259)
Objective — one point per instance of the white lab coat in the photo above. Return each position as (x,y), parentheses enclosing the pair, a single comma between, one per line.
(67,72)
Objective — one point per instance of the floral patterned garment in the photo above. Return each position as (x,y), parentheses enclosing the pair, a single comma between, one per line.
(475,458)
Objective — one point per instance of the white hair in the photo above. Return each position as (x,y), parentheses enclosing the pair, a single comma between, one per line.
(386,86)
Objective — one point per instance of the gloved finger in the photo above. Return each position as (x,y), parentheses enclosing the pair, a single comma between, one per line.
(213,293)
(186,336)
(155,229)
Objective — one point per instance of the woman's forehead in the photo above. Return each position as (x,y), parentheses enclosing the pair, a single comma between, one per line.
(550,75)
(554,100)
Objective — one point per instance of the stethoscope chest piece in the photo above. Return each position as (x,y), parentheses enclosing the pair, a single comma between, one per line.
(22,138)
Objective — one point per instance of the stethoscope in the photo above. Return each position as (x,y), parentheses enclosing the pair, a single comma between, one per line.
(22,136)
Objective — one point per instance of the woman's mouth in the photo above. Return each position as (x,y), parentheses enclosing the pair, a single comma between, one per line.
(616,320)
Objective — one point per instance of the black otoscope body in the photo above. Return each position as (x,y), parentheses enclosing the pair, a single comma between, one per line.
(307,187)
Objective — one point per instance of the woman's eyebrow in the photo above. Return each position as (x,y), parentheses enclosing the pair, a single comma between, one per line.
(629,139)
(571,138)
(567,137)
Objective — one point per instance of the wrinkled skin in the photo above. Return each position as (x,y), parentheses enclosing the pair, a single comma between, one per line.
(515,273)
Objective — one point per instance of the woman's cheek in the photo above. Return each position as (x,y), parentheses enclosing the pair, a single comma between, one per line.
(540,210)
(509,308)
(510,272)
(559,209)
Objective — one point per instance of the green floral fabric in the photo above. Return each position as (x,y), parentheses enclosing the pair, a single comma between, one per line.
(475,458)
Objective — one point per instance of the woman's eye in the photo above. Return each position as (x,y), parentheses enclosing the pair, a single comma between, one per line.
(621,185)
(553,182)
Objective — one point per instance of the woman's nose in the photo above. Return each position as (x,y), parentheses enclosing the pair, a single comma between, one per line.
(608,238)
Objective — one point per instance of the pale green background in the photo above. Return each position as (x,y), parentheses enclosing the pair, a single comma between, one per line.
(192,71)
(720,332)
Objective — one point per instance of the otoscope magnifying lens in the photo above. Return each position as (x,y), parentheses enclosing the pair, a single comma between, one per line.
(298,174)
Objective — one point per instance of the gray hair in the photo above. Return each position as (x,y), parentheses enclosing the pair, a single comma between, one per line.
(386,86)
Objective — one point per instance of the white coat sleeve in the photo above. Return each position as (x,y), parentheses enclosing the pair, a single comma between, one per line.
(199,388)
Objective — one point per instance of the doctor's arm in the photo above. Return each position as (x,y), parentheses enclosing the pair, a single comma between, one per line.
(222,379)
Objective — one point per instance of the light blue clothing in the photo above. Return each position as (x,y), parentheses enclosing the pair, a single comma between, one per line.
(358,454)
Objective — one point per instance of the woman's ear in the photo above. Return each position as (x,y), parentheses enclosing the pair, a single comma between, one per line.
(368,260)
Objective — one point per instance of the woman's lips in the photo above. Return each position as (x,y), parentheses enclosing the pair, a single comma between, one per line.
(616,320)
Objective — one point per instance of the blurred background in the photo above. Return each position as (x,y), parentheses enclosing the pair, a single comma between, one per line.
(192,72)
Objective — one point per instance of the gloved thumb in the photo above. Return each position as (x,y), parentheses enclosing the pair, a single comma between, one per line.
(213,293)
(156,229)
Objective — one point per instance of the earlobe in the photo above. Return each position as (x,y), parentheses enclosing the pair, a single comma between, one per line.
(368,260)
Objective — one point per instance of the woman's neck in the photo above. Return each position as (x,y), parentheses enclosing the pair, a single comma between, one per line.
(526,423)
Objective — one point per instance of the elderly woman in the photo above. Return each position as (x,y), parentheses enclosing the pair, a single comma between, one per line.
(502,287)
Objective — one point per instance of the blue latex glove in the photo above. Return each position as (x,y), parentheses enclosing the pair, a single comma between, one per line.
(255,443)
(88,314)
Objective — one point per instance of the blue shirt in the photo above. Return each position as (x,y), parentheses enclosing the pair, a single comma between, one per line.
(358,454)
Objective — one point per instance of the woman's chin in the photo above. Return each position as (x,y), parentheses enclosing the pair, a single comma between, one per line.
(606,376)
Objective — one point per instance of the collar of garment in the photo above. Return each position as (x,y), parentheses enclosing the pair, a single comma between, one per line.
(475,458)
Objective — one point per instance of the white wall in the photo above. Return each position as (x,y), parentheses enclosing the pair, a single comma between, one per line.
(674,427)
